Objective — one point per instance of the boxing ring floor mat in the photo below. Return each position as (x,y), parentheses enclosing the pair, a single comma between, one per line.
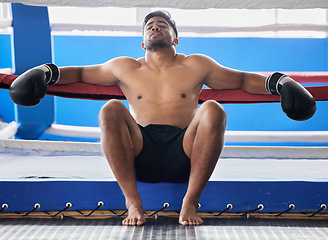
(163,228)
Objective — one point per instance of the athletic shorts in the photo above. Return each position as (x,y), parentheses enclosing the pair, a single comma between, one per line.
(162,158)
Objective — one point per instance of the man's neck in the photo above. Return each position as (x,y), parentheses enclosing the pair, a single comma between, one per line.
(160,58)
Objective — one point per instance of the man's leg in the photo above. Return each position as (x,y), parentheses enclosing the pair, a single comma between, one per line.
(121,141)
(203,143)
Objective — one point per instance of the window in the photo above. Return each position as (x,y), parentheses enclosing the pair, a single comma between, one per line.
(101,16)
(302,16)
(5,18)
(222,17)
(205,22)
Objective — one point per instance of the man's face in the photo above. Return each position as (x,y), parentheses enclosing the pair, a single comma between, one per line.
(158,33)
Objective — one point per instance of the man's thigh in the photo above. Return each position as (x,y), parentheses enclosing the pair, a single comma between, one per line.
(209,113)
(116,110)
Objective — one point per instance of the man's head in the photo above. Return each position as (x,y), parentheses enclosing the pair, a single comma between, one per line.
(159,31)
(164,14)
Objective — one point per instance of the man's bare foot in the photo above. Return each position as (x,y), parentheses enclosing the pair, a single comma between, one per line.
(188,215)
(135,216)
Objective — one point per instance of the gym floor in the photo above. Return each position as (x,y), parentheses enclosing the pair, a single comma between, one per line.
(163,228)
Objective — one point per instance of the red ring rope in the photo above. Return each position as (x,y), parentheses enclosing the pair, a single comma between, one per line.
(98,92)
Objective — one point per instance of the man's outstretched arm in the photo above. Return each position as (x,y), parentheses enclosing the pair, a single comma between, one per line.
(220,77)
(101,74)
(296,101)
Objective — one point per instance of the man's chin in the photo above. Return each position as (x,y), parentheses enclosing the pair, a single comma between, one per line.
(154,46)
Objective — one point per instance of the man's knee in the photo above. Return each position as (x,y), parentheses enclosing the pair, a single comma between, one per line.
(111,112)
(213,111)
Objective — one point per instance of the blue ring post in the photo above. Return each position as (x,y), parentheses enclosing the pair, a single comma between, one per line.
(32,46)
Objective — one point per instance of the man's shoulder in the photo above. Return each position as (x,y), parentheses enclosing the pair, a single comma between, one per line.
(124,63)
(197,58)
(124,60)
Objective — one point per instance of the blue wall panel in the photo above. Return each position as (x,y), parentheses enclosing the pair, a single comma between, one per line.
(261,54)
(7,107)
(249,54)
(5,51)
(270,117)
(7,111)
(77,50)
(86,111)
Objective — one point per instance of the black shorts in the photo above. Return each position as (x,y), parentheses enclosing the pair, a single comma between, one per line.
(162,158)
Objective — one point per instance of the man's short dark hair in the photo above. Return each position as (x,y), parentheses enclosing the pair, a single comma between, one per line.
(164,14)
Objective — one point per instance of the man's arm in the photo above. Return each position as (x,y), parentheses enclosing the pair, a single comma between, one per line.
(296,101)
(220,77)
(30,87)
(101,74)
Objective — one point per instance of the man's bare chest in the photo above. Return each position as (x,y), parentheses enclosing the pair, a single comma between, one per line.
(169,85)
(169,78)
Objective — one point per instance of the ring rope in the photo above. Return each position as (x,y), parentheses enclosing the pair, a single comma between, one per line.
(67,148)
(230,136)
(98,92)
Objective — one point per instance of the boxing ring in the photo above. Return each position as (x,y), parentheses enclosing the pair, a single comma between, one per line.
(64,189)
(252,187)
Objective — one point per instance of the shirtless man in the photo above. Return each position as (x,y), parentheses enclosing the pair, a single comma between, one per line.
(165,137)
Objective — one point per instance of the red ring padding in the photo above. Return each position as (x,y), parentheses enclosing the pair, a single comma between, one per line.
(98,92)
